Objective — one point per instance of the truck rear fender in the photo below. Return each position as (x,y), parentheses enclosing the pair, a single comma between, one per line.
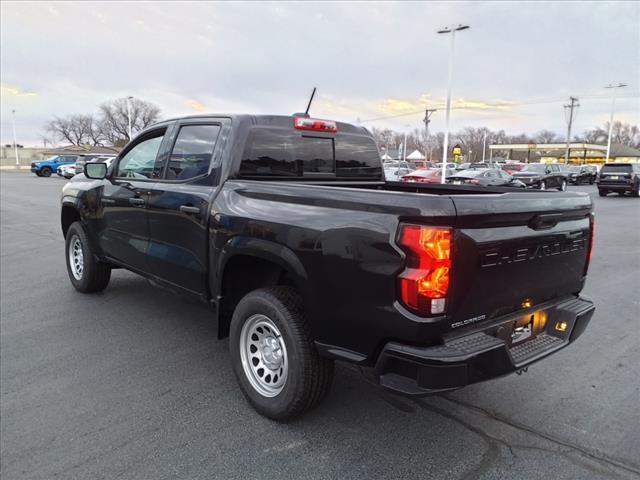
(246,264)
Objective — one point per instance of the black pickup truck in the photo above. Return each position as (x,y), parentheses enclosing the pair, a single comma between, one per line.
(285,226)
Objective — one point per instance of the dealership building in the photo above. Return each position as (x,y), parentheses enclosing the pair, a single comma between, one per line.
(579,153)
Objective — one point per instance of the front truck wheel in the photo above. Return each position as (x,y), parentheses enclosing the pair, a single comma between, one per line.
(86,272)
(273,356)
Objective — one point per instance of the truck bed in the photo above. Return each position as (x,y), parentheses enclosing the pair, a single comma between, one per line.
(511,248)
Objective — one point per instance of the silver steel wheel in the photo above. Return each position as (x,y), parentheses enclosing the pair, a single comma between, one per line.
(563,187)
(543,185)
(76,257)
(263,354)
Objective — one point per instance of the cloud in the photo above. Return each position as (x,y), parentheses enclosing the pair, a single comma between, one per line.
(8,91)
(380,61)
(400,106)
(197,106)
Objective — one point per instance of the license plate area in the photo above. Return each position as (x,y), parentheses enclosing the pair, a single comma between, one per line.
(523,329)
(521,333)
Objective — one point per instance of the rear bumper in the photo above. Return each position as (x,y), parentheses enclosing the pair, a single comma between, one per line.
(478,355)
(617,186)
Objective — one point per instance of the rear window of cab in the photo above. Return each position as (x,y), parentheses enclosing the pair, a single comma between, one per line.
(282,153)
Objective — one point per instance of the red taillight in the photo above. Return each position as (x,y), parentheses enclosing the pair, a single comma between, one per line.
(592,227)
(315,125)
(424,283)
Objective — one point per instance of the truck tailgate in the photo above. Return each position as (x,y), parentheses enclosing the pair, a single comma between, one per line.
(516,250)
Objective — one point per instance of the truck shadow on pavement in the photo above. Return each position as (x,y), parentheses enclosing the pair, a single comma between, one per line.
(182,374)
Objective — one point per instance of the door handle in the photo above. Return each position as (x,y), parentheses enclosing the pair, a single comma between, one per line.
(189,209)
(136,201)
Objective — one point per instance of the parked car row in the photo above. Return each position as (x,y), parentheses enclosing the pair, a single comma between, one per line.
(66,165)
(69,170)
(45,168)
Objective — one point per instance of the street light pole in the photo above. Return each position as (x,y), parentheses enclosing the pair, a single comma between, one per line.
(613,104)
(484,146)
(452,30)
(15,144)
(404,148)
(129,98)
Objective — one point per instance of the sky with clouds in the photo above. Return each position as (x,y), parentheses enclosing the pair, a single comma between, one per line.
(514,68)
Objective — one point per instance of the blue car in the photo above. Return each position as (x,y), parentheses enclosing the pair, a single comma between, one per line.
(45,168)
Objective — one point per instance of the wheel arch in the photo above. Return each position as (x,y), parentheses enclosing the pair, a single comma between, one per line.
(246,264)
(68,215)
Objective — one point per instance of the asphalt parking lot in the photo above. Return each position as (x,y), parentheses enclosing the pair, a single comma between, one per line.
(132,383)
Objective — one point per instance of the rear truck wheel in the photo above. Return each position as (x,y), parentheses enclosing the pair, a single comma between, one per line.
(602,193)
(45,172)
(543,185)
(563,186)
(86,272)
(592,181)
(273,356)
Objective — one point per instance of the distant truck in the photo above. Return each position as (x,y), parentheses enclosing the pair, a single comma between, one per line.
(286,227)
(45,168)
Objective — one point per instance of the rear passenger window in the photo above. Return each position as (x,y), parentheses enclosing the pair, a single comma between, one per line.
(192,152)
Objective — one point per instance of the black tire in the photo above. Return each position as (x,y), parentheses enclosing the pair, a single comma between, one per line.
(602,193)
(543,185)
(636,191)
(308,376)
(563,186)
(95,275)
(45,172)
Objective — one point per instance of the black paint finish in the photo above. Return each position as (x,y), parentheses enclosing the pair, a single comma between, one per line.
(333,238)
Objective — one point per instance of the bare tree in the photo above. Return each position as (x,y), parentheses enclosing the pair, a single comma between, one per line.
(75,129)
(114,119)
(623,133)
(545,136)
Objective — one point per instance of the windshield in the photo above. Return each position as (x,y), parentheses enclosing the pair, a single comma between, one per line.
(514,167)
(534,167)
(470,173)
(622,168)
(575,169)
(433,172)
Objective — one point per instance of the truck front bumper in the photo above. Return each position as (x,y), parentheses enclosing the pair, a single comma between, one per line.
(481,354)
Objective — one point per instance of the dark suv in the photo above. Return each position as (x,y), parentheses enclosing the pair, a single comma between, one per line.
(579,174)
(620,178)
(542,176)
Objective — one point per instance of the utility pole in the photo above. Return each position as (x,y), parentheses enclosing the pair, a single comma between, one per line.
(613,104)
(427,120)
(452,30)
(574,104)
(15,144)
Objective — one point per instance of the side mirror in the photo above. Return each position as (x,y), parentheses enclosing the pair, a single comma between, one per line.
(95,171)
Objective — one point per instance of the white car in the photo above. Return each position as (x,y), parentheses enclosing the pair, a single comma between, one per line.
(394,174)
(67,171)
